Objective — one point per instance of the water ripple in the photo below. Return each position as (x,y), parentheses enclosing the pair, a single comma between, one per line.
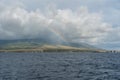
(59,66)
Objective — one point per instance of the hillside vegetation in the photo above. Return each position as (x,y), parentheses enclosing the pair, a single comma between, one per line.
(36,46)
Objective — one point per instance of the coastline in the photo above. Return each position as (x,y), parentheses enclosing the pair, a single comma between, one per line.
(52,50)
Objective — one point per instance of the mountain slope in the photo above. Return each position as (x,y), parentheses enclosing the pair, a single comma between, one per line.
(41,44)
(37,45)
(34,43)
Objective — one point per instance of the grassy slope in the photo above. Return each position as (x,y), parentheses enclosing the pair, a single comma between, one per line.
(32,46)
(47,48)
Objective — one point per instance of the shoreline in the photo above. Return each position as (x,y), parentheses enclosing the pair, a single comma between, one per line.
(51,50)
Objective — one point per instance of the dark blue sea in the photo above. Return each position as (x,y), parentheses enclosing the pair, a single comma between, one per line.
(60,66)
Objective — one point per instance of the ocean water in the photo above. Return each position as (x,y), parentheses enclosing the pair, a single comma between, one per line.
(60,66)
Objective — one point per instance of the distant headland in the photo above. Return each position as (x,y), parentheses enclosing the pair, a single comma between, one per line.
(43,46)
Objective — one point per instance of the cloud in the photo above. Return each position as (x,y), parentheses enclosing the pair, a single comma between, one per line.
(53,24)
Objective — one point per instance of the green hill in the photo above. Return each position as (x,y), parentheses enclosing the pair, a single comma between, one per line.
(39,45)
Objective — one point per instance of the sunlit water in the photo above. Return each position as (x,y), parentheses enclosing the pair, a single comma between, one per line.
(59,66)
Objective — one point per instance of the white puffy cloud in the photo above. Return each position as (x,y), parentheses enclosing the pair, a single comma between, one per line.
(53,24)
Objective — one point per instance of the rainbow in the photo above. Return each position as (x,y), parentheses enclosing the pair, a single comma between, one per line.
(57,33)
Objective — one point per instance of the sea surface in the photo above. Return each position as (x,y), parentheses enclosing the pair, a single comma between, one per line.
(60,66)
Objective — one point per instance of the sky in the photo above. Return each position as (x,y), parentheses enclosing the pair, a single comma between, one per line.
(96,22)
